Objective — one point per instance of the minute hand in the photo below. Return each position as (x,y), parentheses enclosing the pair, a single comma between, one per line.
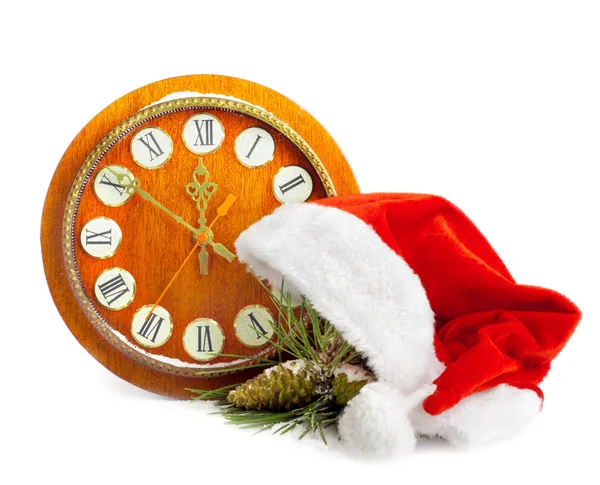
(146,196)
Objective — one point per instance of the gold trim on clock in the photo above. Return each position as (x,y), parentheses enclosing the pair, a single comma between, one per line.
(82,178)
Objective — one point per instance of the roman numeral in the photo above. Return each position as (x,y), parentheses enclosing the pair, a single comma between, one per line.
(204,339)
(205,132)
(260,331)
(152,145)
(106,181)
(258,137)
(92,237)
(291,184)
(151,327)
(113,289)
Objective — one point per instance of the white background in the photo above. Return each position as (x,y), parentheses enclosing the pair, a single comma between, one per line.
(494,105)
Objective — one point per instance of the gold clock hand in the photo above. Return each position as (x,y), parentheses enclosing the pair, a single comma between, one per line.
(134,185)
(205,237)
(201,190)
(203,259)
(146,196)
(222,251)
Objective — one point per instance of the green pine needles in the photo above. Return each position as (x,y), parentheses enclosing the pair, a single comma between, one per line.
(308,391)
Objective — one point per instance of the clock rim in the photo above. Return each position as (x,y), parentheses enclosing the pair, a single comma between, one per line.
(82,145)
(84,177)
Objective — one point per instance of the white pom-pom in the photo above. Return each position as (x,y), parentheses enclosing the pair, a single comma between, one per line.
(375,422)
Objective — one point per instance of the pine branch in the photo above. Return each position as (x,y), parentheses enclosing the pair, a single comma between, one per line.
(319,348)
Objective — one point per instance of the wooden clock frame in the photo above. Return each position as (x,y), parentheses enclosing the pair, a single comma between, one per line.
(254,94)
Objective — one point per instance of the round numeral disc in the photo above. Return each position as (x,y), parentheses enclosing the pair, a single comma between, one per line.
(254,147)
(115,288)
(108,188)
(254,326)
(101,237)
(203,339)
(292,184)
(203,133)
(151,329)
(151,148)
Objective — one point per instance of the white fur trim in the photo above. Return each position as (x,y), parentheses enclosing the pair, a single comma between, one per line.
(375,422)
(497,413)
(379,305)
(353,279)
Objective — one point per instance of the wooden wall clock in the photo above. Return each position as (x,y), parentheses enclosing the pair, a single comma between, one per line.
(161,183)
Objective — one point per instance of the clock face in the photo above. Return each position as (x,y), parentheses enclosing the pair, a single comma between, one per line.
(151,221)
(141,217)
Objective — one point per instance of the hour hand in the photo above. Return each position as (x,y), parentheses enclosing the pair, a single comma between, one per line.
(203,258)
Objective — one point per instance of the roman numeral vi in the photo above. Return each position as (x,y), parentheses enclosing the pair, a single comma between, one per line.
(204,339)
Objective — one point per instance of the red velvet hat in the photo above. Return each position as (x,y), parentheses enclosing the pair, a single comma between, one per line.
(457,346)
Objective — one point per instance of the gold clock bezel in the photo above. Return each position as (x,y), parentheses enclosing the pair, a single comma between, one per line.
(86,303)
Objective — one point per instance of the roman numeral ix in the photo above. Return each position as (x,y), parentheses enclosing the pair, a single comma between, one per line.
(292,184)
(92,237)
(152,145)
(113,289)
(205,132)
(151,327)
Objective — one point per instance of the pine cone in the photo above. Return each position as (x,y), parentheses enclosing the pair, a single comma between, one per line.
(277,388)
(344,389)
(291,385)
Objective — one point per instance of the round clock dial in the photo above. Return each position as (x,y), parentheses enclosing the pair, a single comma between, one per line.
(148,229)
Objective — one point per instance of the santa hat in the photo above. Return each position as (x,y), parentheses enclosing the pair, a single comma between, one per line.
(457,346)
